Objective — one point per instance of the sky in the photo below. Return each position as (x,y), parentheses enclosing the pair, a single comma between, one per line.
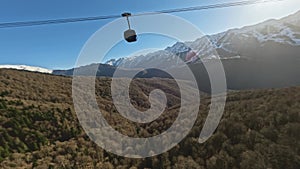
(58,46)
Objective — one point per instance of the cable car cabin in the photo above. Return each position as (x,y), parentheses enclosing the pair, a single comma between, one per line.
(130,35)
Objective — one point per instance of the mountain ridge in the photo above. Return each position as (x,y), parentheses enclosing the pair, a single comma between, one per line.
(227,44)
(27,68)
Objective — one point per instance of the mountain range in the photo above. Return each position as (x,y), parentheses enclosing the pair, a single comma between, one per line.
(265,55)
(250,41)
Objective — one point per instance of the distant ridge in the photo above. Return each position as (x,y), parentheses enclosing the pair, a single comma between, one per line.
(27,68)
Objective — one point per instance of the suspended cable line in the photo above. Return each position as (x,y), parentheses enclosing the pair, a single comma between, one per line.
(198,8)
(72,20)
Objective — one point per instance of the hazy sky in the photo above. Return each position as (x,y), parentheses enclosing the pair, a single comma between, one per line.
(58,46)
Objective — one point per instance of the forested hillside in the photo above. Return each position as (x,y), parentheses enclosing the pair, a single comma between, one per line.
(39,128)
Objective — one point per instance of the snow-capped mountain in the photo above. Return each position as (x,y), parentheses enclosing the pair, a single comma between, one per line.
(248,42)
(114,62)
(27,68)
(265,55)
(178,47)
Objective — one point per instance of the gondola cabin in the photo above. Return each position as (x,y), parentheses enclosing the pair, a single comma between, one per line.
(130,35)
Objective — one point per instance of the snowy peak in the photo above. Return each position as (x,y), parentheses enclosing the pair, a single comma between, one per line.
(114,62)
(266,39)
(27,68)
(178,47)
(276,31)
(283,31)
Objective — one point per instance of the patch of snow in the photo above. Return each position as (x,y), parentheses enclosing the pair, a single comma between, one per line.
(25,67)
(232,57)
(114,62)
